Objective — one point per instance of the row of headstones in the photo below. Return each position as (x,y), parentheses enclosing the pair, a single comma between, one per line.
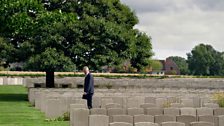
(144,101)
(127,93)
(142,90)
(153,111)
(83,117)
(55,107)
(54,104)
(203,114)
(131,101)
(130,92)
(117,92)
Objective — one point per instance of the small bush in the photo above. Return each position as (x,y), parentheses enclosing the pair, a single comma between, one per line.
(167,104)
(64,117)
(119,69)
(172,72)
(219,98)
(132,70)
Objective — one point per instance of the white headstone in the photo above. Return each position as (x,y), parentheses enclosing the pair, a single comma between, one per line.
(80,117)
(98,120)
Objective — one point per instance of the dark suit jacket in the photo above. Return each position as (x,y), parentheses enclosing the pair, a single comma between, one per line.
(89,84)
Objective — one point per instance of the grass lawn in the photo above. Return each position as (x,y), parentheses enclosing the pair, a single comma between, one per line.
(15,110)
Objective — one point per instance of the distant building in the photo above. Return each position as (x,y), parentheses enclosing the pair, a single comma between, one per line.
(169,67)
(159,71)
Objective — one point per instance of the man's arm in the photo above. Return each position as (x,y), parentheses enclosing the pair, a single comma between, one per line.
(87,84)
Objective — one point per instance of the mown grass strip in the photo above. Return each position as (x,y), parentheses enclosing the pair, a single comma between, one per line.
(15,110)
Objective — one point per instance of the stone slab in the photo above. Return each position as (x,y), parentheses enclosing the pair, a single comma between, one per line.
(219,111)
(219,120)
(172,124)
(151,100)
(53,108)
(188,111)
(172,111)
(146,124)
(115,111)
(122,118)
(154,111)
(135,111)
(187,119)
(164,118)
(204,111)
(120,124)
(202,124)
(143,118)
(98,120)
(98,111)
(207,118)
(113,105)
(80,117)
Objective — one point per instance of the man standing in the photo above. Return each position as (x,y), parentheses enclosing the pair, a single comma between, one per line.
(88,86)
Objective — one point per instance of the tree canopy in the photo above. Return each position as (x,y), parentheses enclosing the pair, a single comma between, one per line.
(57,35)
(205,60)
(156,65)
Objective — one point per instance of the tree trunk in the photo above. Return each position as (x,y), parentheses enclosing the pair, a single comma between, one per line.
(49,79)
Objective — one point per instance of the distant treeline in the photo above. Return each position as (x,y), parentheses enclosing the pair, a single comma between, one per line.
(202,60)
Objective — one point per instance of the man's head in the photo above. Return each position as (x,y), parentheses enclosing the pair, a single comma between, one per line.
(85,70)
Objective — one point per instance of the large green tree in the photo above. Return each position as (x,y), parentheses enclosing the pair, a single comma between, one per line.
(218,67)
(56,35)
(181,63)
(142,52)
(205,60)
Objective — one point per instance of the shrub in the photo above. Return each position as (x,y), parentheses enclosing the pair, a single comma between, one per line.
(64,117)
(219,98)
(119,69)
(172,72)
(132,70)
(167,104)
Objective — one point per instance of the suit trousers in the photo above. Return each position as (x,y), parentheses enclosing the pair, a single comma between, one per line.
(89,100)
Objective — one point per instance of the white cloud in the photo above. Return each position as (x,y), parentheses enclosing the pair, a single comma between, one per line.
(176,26)
(209,5)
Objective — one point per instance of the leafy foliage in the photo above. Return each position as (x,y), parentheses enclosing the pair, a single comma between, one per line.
(45,60)
(51,35)
(181,63)
(142,52)
(219,98)
(205,60)
(156,65)
(5,49)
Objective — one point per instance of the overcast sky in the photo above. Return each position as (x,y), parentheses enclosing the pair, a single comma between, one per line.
(176,26)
